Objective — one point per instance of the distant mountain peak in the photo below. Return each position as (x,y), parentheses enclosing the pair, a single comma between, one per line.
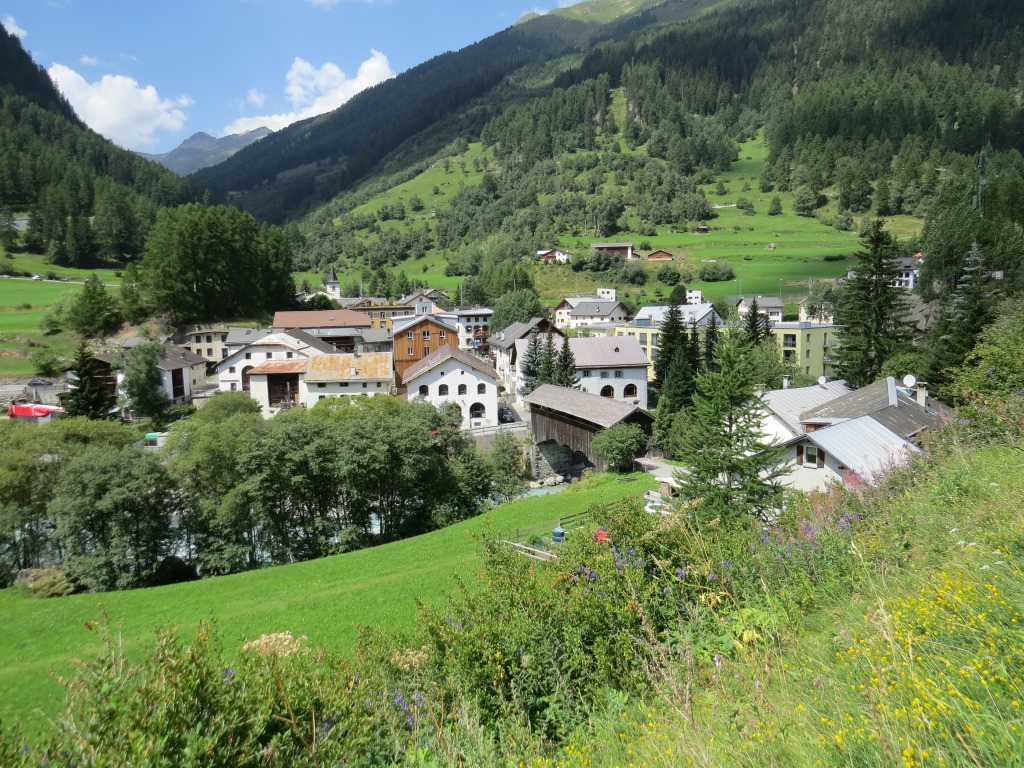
(201,150)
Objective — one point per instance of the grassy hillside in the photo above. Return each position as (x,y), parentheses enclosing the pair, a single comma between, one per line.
(327,599)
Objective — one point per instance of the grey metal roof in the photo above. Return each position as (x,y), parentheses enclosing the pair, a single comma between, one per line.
(602,411)
(598,351)
(443,355)
(655,315)
(310,340)
(246,335)
(863,445)
(883,402)
(375,335)
(764,302)
(508,336)
(789,404)
(595,308)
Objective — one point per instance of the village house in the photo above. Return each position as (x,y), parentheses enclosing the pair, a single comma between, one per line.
(416,337)
(596,312)
(182,372)
(206,339)
(283,346)
(809,346)
(660,255)
(554,255)
(503,348)
(340,328)
(619,250)
(770,307)
(646,326)
(473,326)
(613,367)
(452,375)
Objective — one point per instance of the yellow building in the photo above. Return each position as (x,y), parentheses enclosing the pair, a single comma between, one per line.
(808,346)
(645,327)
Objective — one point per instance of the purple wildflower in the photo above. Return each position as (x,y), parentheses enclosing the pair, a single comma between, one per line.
(718,662)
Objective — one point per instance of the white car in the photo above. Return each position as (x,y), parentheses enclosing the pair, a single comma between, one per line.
(36,277)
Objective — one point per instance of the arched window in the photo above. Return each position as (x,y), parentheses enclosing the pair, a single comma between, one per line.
(442,390)
(481,389)
(608,391)
(423,390)
(462,389)
(629,391)
(477,411)
(245,378)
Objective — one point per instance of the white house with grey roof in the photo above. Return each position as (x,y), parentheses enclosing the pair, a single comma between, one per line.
(613,367)
(597,312)
(452,375)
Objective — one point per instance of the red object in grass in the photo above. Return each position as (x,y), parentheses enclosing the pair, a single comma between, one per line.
(601,536)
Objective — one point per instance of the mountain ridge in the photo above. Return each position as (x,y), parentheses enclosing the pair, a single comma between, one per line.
(201,150)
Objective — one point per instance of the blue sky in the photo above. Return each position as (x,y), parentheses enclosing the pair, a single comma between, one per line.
(147,74)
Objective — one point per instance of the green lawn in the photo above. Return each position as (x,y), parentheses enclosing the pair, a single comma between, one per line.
(325,599)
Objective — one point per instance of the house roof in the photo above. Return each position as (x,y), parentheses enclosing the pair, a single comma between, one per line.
(375,335)
(611,245)
(602,411)
(279,366)
(346,366)
(174,358)
(403,324)
(308,340)
(508,336)
(598,351)
(789,404)
(863,445)
(884,403)
(763,302)
(699,313)
(321,318)
(660,254)
(595,308)
(443,355)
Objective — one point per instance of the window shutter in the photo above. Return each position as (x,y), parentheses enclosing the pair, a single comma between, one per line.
(799,454)
(821,459)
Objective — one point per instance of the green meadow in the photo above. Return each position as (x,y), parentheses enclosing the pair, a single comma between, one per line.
(326,600)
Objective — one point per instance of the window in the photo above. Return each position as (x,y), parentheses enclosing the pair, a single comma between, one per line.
(462,389)
(426,335)
(289,355)
(604,374)
(441,334)
(808,338)
(618,374)
(408,335)
(209,352)
(629,391)
(811,455)
(321,385)
(654,339)
(807,354)
(426,351)
(344,385)
(585,374)
(378,385)
(248,355)
(423,390)
(608,392)
(231,369)
(477,411)
(643,339)
(209,339)
(224,354)
(234,387)
(364,385)
(410,352)
(223,338)
(270,355)
(481,388)
(442,390)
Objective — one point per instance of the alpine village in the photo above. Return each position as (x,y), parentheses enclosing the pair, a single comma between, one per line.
(642,385)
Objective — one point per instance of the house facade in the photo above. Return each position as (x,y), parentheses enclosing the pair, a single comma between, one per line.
(452,375)
(660,255)
(417,337)
(770,307)
(809,346)
(554,255)
(646,326)
(621,250)
(504,352)
(595,312)
(233,373)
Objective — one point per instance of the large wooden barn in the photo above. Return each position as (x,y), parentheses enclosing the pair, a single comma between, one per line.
(569,419)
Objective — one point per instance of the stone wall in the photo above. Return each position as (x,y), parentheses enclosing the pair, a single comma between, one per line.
(550,458)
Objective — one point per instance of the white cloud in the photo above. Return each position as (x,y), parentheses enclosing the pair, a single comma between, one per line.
(255,98)
(313,91)
(119,108)
(12,26)
(89,61)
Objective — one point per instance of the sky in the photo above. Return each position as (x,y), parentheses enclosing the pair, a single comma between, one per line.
(147,74)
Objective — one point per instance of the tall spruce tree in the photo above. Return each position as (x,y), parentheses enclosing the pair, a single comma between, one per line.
(142,382)
(671,336)
(730,465)
(872,311)
(565,367)
(89,398)
(711,334)
(755,324)
(969,309)
(548,359)
(529,366)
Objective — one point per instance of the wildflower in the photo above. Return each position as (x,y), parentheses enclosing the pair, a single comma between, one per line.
(718,662)
(681,573)
(712,577)
(228,675)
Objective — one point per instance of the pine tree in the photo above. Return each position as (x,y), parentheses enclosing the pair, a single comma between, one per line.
(547,362)
(730,466)
(968,311)
(711,334)
(142,382)
(680,385)
(670,338)
(872,311)
(755,325)
(89,398)
(529,366)
(565,367)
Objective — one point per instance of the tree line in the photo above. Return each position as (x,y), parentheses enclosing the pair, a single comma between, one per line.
(232,492)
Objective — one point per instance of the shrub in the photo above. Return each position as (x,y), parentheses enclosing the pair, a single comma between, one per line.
(716,272)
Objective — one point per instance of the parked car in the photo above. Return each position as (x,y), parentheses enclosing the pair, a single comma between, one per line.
(507,416)
(36,277)
(35,381)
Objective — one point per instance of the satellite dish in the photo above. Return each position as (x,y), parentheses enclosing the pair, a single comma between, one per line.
(822,380)
(909,381)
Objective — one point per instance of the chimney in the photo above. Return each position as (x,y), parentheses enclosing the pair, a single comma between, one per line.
(922,394)
(787,382)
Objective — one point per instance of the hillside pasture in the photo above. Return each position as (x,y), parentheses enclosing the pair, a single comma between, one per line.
(326,600)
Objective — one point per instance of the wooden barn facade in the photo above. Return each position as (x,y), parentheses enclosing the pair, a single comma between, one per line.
(570,418)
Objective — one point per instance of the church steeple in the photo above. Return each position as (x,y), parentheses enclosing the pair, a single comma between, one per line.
(332,284)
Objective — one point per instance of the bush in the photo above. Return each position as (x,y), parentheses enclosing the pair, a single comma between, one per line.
(716,272)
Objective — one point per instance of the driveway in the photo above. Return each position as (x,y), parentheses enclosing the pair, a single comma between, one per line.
(656,467)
